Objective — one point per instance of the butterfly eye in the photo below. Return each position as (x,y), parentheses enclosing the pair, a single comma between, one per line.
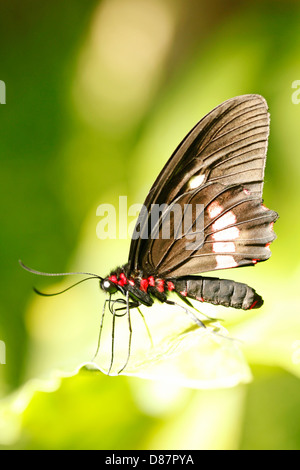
(108,286)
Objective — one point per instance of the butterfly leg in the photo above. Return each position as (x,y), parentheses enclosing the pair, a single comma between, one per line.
(185,300)
(189,312)
(113,310)
(101,327)
(130,330)
(114,314)
(129,305)
(134,304)
(112,337)
(146,326)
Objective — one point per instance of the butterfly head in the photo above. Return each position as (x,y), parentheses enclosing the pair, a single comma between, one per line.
(108,286)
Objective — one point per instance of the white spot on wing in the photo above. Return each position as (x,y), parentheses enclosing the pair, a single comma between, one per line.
(227,219)
(223,247)
(214,209)
(231,233)
(196,181)
(225,261)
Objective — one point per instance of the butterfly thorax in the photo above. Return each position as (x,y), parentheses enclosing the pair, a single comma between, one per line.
(138,284)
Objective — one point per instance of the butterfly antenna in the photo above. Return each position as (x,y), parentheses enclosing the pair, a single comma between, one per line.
(40,273)
(62,291)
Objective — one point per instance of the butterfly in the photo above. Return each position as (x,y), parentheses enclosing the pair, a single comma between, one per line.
(219,168)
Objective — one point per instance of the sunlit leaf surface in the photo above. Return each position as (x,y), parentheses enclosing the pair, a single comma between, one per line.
(182,353)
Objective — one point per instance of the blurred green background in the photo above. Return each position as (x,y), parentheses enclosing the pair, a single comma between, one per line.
(98,95)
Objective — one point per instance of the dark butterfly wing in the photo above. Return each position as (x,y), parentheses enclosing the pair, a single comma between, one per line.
(220,164)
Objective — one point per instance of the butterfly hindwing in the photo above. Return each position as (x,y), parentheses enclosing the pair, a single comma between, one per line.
(237,232)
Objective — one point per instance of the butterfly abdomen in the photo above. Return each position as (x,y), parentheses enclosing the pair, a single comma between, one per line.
(218,292)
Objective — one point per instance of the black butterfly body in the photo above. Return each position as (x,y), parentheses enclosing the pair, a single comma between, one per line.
(219,164)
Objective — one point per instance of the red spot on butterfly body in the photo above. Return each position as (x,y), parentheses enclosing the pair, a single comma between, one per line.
(113,279)
(131,282)
(200,299)
(123,280)
(144,285)
(151,281)
(253,305)
(170,285)
(184,293)
(160,285)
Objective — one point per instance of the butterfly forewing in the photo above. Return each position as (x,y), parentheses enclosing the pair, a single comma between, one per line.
(220,165)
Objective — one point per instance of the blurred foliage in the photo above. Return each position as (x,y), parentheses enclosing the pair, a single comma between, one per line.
(99,93)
